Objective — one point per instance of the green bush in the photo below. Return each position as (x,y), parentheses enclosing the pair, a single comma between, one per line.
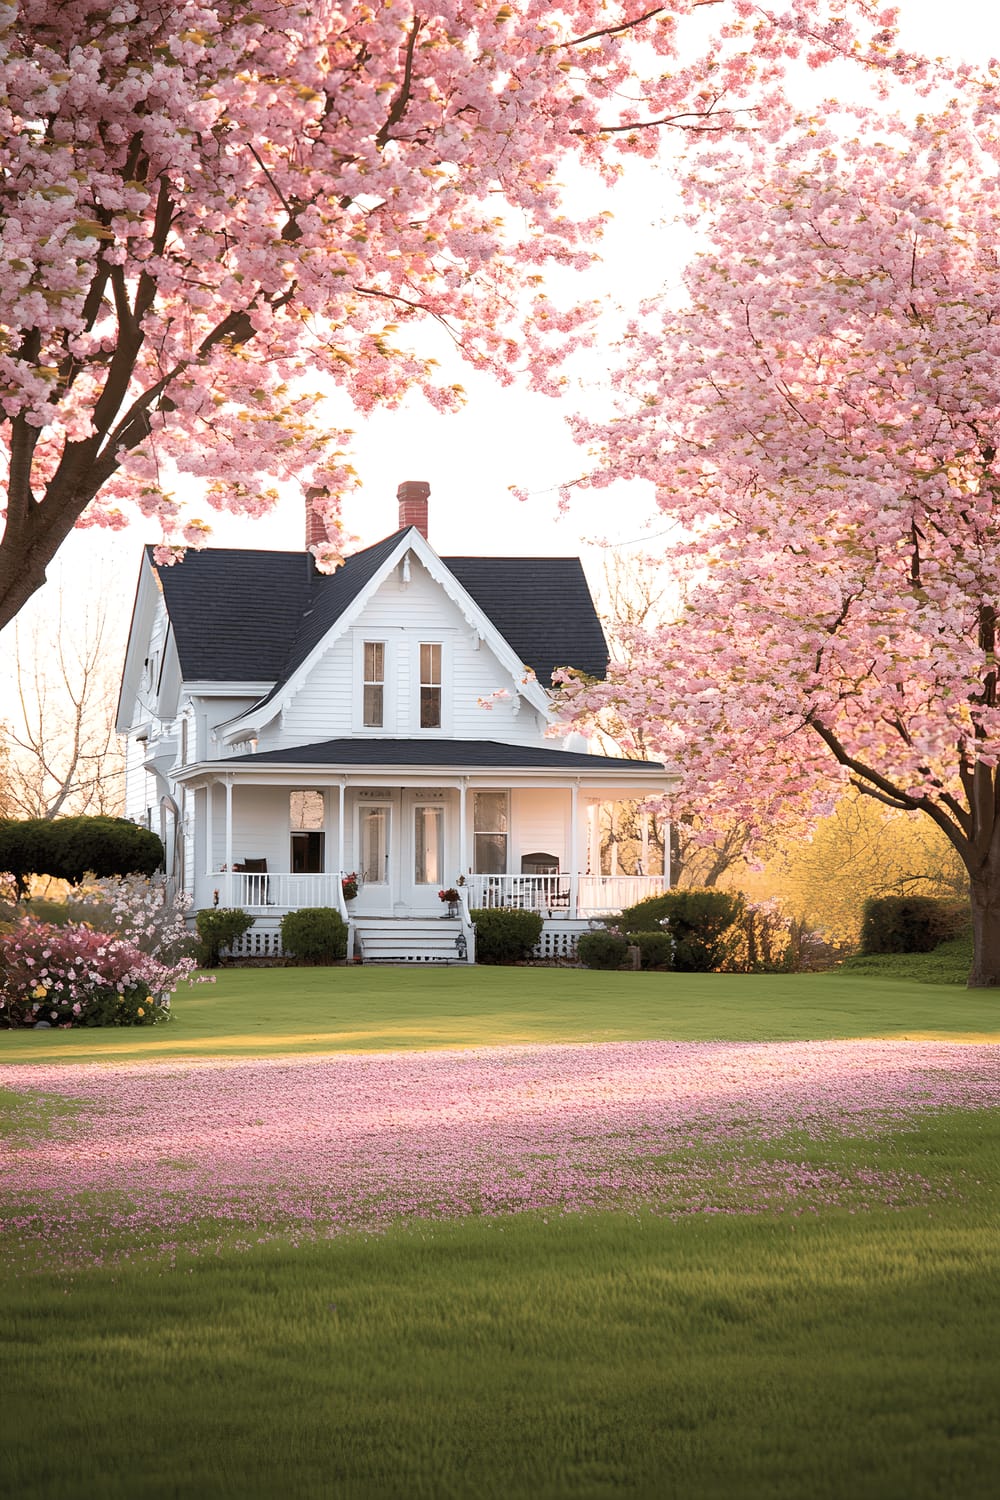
(910,924)
(601,950)
(698,921)
(645,916)
(505,934)
(70,848)
(316,934)
(219,927)
(656,949)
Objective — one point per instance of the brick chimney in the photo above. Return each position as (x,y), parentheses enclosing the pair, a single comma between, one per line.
(412,496)
(315,530)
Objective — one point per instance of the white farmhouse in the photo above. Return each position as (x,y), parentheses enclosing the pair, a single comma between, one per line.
(287,729)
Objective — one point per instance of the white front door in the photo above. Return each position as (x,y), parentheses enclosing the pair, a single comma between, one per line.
(376,836)
(425,870)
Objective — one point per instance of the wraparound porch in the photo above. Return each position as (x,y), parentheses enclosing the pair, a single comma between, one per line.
(573,897)
(505,825)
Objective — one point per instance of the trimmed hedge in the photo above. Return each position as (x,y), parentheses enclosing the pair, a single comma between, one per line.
(316,934)
(70,848)
(505,934)
(219,927)
(910,924)
(656,949)
(601,949)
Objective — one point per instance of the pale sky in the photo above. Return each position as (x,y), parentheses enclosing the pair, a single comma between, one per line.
(503,437)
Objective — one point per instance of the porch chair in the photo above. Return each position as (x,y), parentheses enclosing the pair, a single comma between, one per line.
(553,891)
(256,867)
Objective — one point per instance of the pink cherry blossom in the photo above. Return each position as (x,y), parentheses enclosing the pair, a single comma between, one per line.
(207,205)
(821,418)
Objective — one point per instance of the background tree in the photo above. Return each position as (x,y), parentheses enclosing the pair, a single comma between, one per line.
(63,753)
(640,596)
(207,208)
(823,420)
(862,850)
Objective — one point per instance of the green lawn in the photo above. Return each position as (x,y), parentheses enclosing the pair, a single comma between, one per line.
(837,1356)
(261,1012)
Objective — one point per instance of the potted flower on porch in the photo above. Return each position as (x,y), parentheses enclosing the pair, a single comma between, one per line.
(451,896)
(349,885)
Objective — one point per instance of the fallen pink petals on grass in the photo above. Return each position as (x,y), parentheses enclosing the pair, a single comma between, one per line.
(150,1155)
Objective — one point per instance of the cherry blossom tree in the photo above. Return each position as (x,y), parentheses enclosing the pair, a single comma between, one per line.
(210,209)
(822,419)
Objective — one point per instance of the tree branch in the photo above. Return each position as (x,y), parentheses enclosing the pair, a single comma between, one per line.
(402,99)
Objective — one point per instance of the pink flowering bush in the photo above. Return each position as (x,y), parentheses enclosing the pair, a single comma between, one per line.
(73,976)
(119,970)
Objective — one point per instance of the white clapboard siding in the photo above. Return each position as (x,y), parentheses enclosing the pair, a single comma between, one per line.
(139,785)
(260,826)
(540,823)
(326,705)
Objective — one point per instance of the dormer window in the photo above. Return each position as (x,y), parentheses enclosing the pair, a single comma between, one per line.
(430,686)
(373,715)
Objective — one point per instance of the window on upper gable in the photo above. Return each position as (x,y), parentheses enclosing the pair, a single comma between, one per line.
(373,711)
(430,686)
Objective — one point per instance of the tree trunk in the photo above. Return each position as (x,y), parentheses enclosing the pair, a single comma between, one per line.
(985,891)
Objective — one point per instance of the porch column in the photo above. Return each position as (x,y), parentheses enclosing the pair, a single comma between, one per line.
(209,811)
(594,838)
(463,843)
(340,828)
(574,852)
(229,842)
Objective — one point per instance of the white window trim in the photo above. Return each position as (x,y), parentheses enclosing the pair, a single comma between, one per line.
(445,727)
(389,709)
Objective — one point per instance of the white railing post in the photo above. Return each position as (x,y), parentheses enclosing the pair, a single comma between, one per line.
(574,852)
(229,842)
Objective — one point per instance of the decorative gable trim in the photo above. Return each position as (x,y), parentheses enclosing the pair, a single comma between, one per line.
(410,542)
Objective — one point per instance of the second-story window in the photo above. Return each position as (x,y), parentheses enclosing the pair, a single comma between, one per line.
(374,685)
(430,686)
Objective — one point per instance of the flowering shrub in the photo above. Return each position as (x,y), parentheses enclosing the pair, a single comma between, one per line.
(119,968)
(137,909)
(76,976)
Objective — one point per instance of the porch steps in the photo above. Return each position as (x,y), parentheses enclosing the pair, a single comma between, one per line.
(408,940)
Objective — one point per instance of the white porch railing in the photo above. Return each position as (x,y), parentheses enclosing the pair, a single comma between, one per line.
(552,895)
(263,892)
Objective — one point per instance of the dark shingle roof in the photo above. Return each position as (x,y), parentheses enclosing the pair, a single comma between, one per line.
(468,754)
(241,615)
(542,608)
(235,613)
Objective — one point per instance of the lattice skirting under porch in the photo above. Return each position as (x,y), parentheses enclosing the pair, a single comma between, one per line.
(262,941)
(558,940)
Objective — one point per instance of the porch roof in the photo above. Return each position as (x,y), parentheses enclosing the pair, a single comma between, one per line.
(461,755)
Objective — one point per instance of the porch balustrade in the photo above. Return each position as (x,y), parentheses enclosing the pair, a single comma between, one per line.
(551,895)
(256,892)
